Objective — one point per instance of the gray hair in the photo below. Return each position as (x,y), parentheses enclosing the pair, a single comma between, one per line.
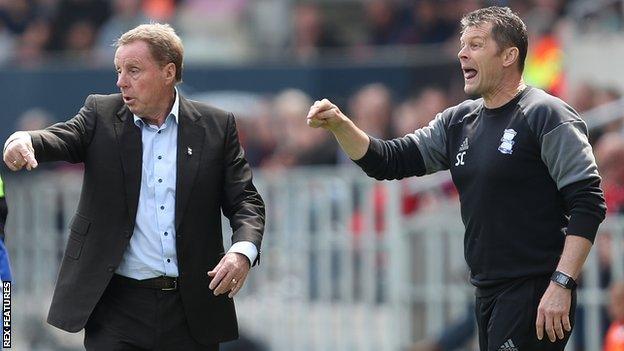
(165,45)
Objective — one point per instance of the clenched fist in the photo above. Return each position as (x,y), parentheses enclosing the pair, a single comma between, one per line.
(19,152)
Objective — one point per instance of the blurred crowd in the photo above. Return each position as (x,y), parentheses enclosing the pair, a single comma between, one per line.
(34,32)
(275,135)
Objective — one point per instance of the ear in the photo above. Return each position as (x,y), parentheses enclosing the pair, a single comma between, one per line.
(170,71)
(510,56)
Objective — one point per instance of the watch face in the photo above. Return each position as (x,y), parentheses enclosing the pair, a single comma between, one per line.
(562,279)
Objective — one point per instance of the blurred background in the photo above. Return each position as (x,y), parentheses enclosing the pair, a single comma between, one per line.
(348,263)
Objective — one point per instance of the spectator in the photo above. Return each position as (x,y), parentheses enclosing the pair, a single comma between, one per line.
(310,32)
(257,133)
(609,155)
(127,14)
(16,15)
(214,30)
(93,12)
(371,107)
(417,112)
(430,25)
(7,43)
(31,45)
(79,40)
(296,146)
(384,24)
(614,341)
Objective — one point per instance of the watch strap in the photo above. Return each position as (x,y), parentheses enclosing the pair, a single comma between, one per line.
(563,280)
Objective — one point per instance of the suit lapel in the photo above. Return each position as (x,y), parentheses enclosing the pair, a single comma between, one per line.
(190,143)
(129,140)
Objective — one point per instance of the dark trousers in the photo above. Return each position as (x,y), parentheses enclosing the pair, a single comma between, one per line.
(506,319)
(137,318)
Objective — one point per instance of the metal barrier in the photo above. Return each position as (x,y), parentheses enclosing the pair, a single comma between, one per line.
(343,268)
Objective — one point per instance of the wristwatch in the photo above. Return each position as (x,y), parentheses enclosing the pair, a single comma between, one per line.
(563,280)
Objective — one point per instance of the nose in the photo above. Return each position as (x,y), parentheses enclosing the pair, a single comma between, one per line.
(121,80)
(462,53)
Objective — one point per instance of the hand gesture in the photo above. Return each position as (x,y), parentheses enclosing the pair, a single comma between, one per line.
(553,313)
(229,274)
(19,152)
(326,115)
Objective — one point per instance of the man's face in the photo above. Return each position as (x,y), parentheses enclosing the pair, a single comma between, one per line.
(480,59)
(143,83)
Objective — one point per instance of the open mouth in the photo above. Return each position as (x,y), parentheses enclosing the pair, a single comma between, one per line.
(469,73)
(128,99)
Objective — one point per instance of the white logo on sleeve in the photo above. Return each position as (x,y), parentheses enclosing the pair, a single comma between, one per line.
(508,346)
(507,142)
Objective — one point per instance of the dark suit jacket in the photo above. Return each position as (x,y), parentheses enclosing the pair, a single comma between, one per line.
(215,177)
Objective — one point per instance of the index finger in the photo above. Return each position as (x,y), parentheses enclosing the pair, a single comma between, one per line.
(539,325)
(320,106)
(29,157)
(217,278)
(225,284)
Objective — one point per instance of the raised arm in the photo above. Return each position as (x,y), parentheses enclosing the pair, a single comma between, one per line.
(65,141)
(418,153)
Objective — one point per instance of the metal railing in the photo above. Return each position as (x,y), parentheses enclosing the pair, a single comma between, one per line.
(343,266)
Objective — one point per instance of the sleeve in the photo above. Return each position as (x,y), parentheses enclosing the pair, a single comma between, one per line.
(242,204)
(419,153)
(67,141)
(246,248)
(566,151)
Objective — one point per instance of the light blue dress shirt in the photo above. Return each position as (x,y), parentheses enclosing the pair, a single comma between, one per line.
(152,251)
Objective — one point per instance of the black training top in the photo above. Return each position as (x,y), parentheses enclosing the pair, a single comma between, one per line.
(525,173)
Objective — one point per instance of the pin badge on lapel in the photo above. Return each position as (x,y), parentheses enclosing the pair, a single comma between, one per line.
(189,151)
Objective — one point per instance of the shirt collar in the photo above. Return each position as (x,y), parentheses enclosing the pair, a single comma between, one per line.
(175,109)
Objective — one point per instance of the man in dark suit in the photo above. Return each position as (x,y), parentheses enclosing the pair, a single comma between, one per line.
(144,267)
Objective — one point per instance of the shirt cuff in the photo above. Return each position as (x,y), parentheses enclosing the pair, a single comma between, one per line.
(246,248)
(15,136)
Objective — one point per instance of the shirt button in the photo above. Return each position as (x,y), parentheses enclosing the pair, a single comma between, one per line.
(166,233)
(168,260)
(162,207)
(160,157)
(159,132)
(160,180)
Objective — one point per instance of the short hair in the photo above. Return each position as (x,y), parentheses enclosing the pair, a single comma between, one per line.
(508,29)
(164,44)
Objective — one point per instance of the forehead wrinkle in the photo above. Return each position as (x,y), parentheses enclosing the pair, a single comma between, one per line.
(127,61)
(482,30)
(478,35)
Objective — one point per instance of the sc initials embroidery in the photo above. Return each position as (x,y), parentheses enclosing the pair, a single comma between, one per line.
(462,152)
(460,159)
